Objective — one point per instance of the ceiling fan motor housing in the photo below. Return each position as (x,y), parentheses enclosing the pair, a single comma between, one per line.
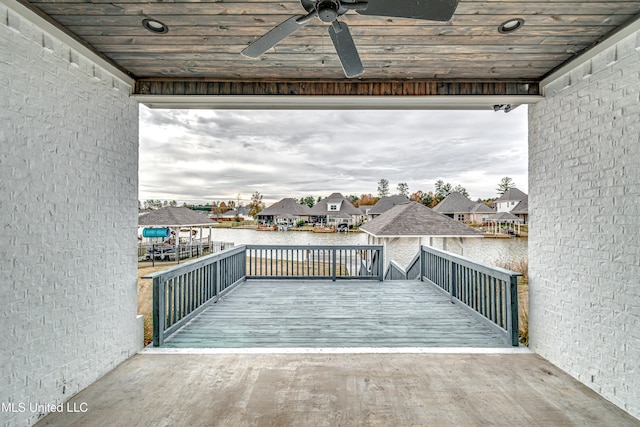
(328,10)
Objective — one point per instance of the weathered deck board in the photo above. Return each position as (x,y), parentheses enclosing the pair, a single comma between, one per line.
(334,314)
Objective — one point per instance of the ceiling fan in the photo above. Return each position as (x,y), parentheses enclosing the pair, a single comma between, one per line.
(330,10)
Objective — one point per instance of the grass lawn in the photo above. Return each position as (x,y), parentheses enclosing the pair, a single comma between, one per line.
(275,267)
(234,224)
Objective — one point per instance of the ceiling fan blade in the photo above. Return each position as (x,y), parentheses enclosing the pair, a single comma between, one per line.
(275,36)
(431,10)
(346,48)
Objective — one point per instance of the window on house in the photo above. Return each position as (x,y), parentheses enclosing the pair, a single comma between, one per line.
(333,207)
(460,217)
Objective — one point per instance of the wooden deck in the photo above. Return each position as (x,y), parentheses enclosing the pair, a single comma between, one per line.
(285,314)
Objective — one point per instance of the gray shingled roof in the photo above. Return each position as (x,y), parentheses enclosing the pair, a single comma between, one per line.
(173,217)
(505,216)
(387,203)
(242,210)
(481,207)
(322,208)
(512,194)
(458,203)
(415,219)
(521,208)
(286,206)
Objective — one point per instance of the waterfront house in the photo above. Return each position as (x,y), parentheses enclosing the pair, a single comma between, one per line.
(515,202)
(284,212)
(457,206)
(241,213)
(335,210)
(404,227)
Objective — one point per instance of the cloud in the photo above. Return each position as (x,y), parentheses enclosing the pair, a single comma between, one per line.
(205,155)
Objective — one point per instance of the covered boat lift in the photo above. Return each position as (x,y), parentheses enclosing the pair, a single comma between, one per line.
(175,219)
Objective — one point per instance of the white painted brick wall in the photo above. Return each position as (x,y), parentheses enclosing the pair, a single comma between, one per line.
(584,244)
(68,220)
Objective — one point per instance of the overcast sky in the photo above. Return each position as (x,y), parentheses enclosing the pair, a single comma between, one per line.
(214,155)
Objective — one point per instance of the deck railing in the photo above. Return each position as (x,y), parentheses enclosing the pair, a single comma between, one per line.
(488,292)
(314,262)
(181,292)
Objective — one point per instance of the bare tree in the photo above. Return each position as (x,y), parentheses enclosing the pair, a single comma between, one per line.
(383,188)
(505,184)
(403,189)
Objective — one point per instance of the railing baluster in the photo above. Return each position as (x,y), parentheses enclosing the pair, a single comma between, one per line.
(193,290)
(173,313)
(188,284)
(476,281)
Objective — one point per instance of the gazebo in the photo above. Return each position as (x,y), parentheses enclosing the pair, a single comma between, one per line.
(507,219)
(174,220)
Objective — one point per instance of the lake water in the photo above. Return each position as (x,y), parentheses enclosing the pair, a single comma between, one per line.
(489,251)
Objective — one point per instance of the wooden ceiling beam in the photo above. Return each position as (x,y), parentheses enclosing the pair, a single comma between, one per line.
(204,87)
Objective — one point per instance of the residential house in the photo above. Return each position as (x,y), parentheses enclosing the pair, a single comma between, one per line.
(284,212)
(384,204)
(335,210)
(515,202)
(459,207)
(241,213)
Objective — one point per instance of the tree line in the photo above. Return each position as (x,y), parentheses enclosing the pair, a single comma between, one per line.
(428,198)
(441,191)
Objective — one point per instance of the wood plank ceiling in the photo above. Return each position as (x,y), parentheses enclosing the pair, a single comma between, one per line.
(205,38)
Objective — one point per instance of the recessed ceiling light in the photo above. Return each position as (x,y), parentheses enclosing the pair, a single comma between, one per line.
(155,26)
(511,25)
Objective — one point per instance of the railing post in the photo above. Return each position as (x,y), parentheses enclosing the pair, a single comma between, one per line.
(158,311)
(381,264)
(513,310)
(243,266)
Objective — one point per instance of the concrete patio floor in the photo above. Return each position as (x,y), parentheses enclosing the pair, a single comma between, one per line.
(339,390)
